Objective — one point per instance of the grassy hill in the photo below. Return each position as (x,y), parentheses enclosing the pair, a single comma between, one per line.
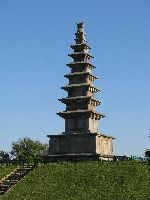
(5,170)
(85,181)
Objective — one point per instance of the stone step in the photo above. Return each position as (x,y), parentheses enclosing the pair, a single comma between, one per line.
(10,182)
(4,187)
(2,192)
(23,171)
(17,175)
(13,178)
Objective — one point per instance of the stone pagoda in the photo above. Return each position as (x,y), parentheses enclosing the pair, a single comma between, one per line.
(82,138)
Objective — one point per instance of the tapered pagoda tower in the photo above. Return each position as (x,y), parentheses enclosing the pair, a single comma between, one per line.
(81,137)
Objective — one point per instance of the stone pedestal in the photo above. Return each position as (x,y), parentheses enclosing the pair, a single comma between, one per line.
(81,144)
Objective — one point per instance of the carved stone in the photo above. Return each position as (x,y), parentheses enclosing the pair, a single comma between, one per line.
(82,136)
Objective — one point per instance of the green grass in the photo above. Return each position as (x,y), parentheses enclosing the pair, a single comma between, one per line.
(85,181)
(5,170)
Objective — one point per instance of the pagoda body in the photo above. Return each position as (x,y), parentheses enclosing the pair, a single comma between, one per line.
(81,137)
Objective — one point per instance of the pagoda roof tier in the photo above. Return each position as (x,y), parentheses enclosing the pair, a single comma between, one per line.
(107,136)
(76,46)
(80,55)
(80,33)
(69,100)
(90,87)
(92,77)
(80,40)
(88,113)
(80,64)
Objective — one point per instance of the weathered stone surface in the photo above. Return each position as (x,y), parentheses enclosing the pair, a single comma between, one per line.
(80,144)
(82,135)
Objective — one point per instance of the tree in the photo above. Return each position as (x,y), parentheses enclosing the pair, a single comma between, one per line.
(147,154)
(28,149)
(4,156)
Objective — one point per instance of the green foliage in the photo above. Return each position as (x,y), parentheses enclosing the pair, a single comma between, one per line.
(147,154)
(4,156)
(127,180)
(28,149)
(5,170)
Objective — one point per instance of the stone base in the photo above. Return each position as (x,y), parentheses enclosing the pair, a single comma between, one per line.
(83,146)
(76,158)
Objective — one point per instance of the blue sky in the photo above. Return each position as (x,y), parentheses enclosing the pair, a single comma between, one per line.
(35,36)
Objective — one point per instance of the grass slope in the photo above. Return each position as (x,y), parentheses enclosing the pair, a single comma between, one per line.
(85,181)
(5,170)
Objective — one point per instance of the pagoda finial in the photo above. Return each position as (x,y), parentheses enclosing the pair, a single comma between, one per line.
(80,34)
(80,27)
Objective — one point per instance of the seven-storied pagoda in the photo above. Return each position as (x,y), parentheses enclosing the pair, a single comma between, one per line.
(82,137)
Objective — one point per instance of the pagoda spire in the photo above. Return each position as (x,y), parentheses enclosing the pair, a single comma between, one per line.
(80,48)
(80,114)
(80,34)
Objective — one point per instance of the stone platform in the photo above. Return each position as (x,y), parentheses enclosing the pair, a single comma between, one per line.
(76,158)
(91,146)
